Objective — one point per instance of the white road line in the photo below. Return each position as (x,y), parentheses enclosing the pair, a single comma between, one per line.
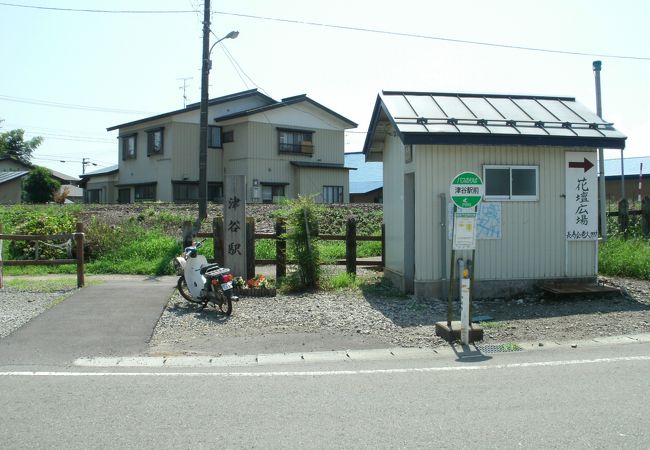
(328,372)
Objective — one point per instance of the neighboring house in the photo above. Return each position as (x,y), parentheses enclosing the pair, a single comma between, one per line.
(286,148)
(631,178)
(11,165)
(100,186)
(517,144)
(11,186)
(366,183)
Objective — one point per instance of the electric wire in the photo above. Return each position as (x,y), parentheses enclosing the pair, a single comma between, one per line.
(341,27)
(33,101)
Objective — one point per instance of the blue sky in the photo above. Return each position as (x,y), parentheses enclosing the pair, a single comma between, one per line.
(67,76)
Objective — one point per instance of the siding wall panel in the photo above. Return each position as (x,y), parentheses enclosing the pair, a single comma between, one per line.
(532,243)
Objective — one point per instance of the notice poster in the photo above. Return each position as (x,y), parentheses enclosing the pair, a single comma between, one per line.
(581,196)
(464,231)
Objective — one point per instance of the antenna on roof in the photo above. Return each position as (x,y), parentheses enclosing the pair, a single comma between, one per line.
(184,88)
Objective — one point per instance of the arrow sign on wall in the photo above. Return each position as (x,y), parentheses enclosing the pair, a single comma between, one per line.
(586,165)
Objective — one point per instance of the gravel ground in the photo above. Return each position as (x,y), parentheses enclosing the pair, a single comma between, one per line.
(376,313)
(408,322)
(17,307)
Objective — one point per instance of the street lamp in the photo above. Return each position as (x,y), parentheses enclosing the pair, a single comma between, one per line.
(203,138)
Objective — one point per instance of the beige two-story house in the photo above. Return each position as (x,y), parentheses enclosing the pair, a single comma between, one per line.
(284,148)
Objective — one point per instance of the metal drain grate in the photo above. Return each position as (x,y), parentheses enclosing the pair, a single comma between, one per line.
(499,348)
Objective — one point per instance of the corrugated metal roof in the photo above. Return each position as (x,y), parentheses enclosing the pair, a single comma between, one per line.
(363,187)
(104,171)
(439,118)
(631,166)
(11,175)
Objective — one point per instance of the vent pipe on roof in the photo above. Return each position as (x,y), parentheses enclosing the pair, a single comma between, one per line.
(601,159)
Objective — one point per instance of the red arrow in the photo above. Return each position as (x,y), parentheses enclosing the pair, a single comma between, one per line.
(586,165)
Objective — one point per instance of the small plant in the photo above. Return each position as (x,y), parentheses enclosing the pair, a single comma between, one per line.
(239,282)
(492,325)
(510,347)
(258,281)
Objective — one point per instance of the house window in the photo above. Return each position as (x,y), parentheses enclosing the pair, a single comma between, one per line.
(129,146)
(124,195)
(228,137)
(270,191)
(155,142)
(332,194)
(186,192)
(214,137)
(519,183)
(215,192)
(93,195)
(145,192)
(296,141)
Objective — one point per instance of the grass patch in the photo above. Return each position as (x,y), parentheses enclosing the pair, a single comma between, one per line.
(46,285)
(625,257)
(343,281)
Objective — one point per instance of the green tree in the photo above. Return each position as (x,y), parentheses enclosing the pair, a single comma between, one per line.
(39,186)
(14,145)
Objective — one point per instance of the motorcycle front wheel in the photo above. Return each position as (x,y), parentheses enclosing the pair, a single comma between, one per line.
(181,285)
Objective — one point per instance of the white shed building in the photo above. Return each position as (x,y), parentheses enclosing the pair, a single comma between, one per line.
(522,146)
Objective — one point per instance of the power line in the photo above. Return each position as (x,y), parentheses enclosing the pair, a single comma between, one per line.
(102,11)
(340,27)
(435,38)
(33,101)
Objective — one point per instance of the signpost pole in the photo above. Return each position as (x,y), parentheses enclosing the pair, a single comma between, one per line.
(450,292)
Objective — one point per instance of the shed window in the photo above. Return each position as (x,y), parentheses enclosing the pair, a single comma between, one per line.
(519,183)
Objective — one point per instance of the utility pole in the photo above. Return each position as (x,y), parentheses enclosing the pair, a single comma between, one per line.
(601,159)
(184,88)
(203,138)
(85,162)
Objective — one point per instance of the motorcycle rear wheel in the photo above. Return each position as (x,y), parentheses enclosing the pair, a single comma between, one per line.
(226,306)
(181,285)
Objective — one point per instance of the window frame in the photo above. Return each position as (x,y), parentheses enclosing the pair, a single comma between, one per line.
(296,148)
(151,140)
(137,187)
(211,132)
(510,197)
(126,153)
(338,190)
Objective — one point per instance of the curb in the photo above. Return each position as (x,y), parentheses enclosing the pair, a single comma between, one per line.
(381,354)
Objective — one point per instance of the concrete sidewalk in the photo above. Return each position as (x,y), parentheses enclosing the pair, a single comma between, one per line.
(116,317)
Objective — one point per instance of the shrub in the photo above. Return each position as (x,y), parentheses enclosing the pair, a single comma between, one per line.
(302,216)
(44,225)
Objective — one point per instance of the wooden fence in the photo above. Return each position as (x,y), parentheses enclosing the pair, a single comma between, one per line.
(623,214)
(351,239)
(77,237)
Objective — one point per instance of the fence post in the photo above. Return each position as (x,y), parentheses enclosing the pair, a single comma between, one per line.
(188,234)
(351,245)
(280,249)
(383,245)
(217,240)
(79,238)
(645,212)
(1,263)
(250,247)
(623,216)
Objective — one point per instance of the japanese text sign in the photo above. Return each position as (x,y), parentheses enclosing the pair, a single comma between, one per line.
(234,224)
(581,196)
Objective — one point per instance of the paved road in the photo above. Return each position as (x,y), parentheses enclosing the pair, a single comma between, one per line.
(564,398)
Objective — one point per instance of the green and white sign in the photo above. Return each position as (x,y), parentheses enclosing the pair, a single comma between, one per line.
(466,190)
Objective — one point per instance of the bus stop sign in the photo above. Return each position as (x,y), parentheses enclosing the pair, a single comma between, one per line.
(466,190)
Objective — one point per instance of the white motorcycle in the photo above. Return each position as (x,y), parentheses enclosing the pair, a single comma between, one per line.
(203,283)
